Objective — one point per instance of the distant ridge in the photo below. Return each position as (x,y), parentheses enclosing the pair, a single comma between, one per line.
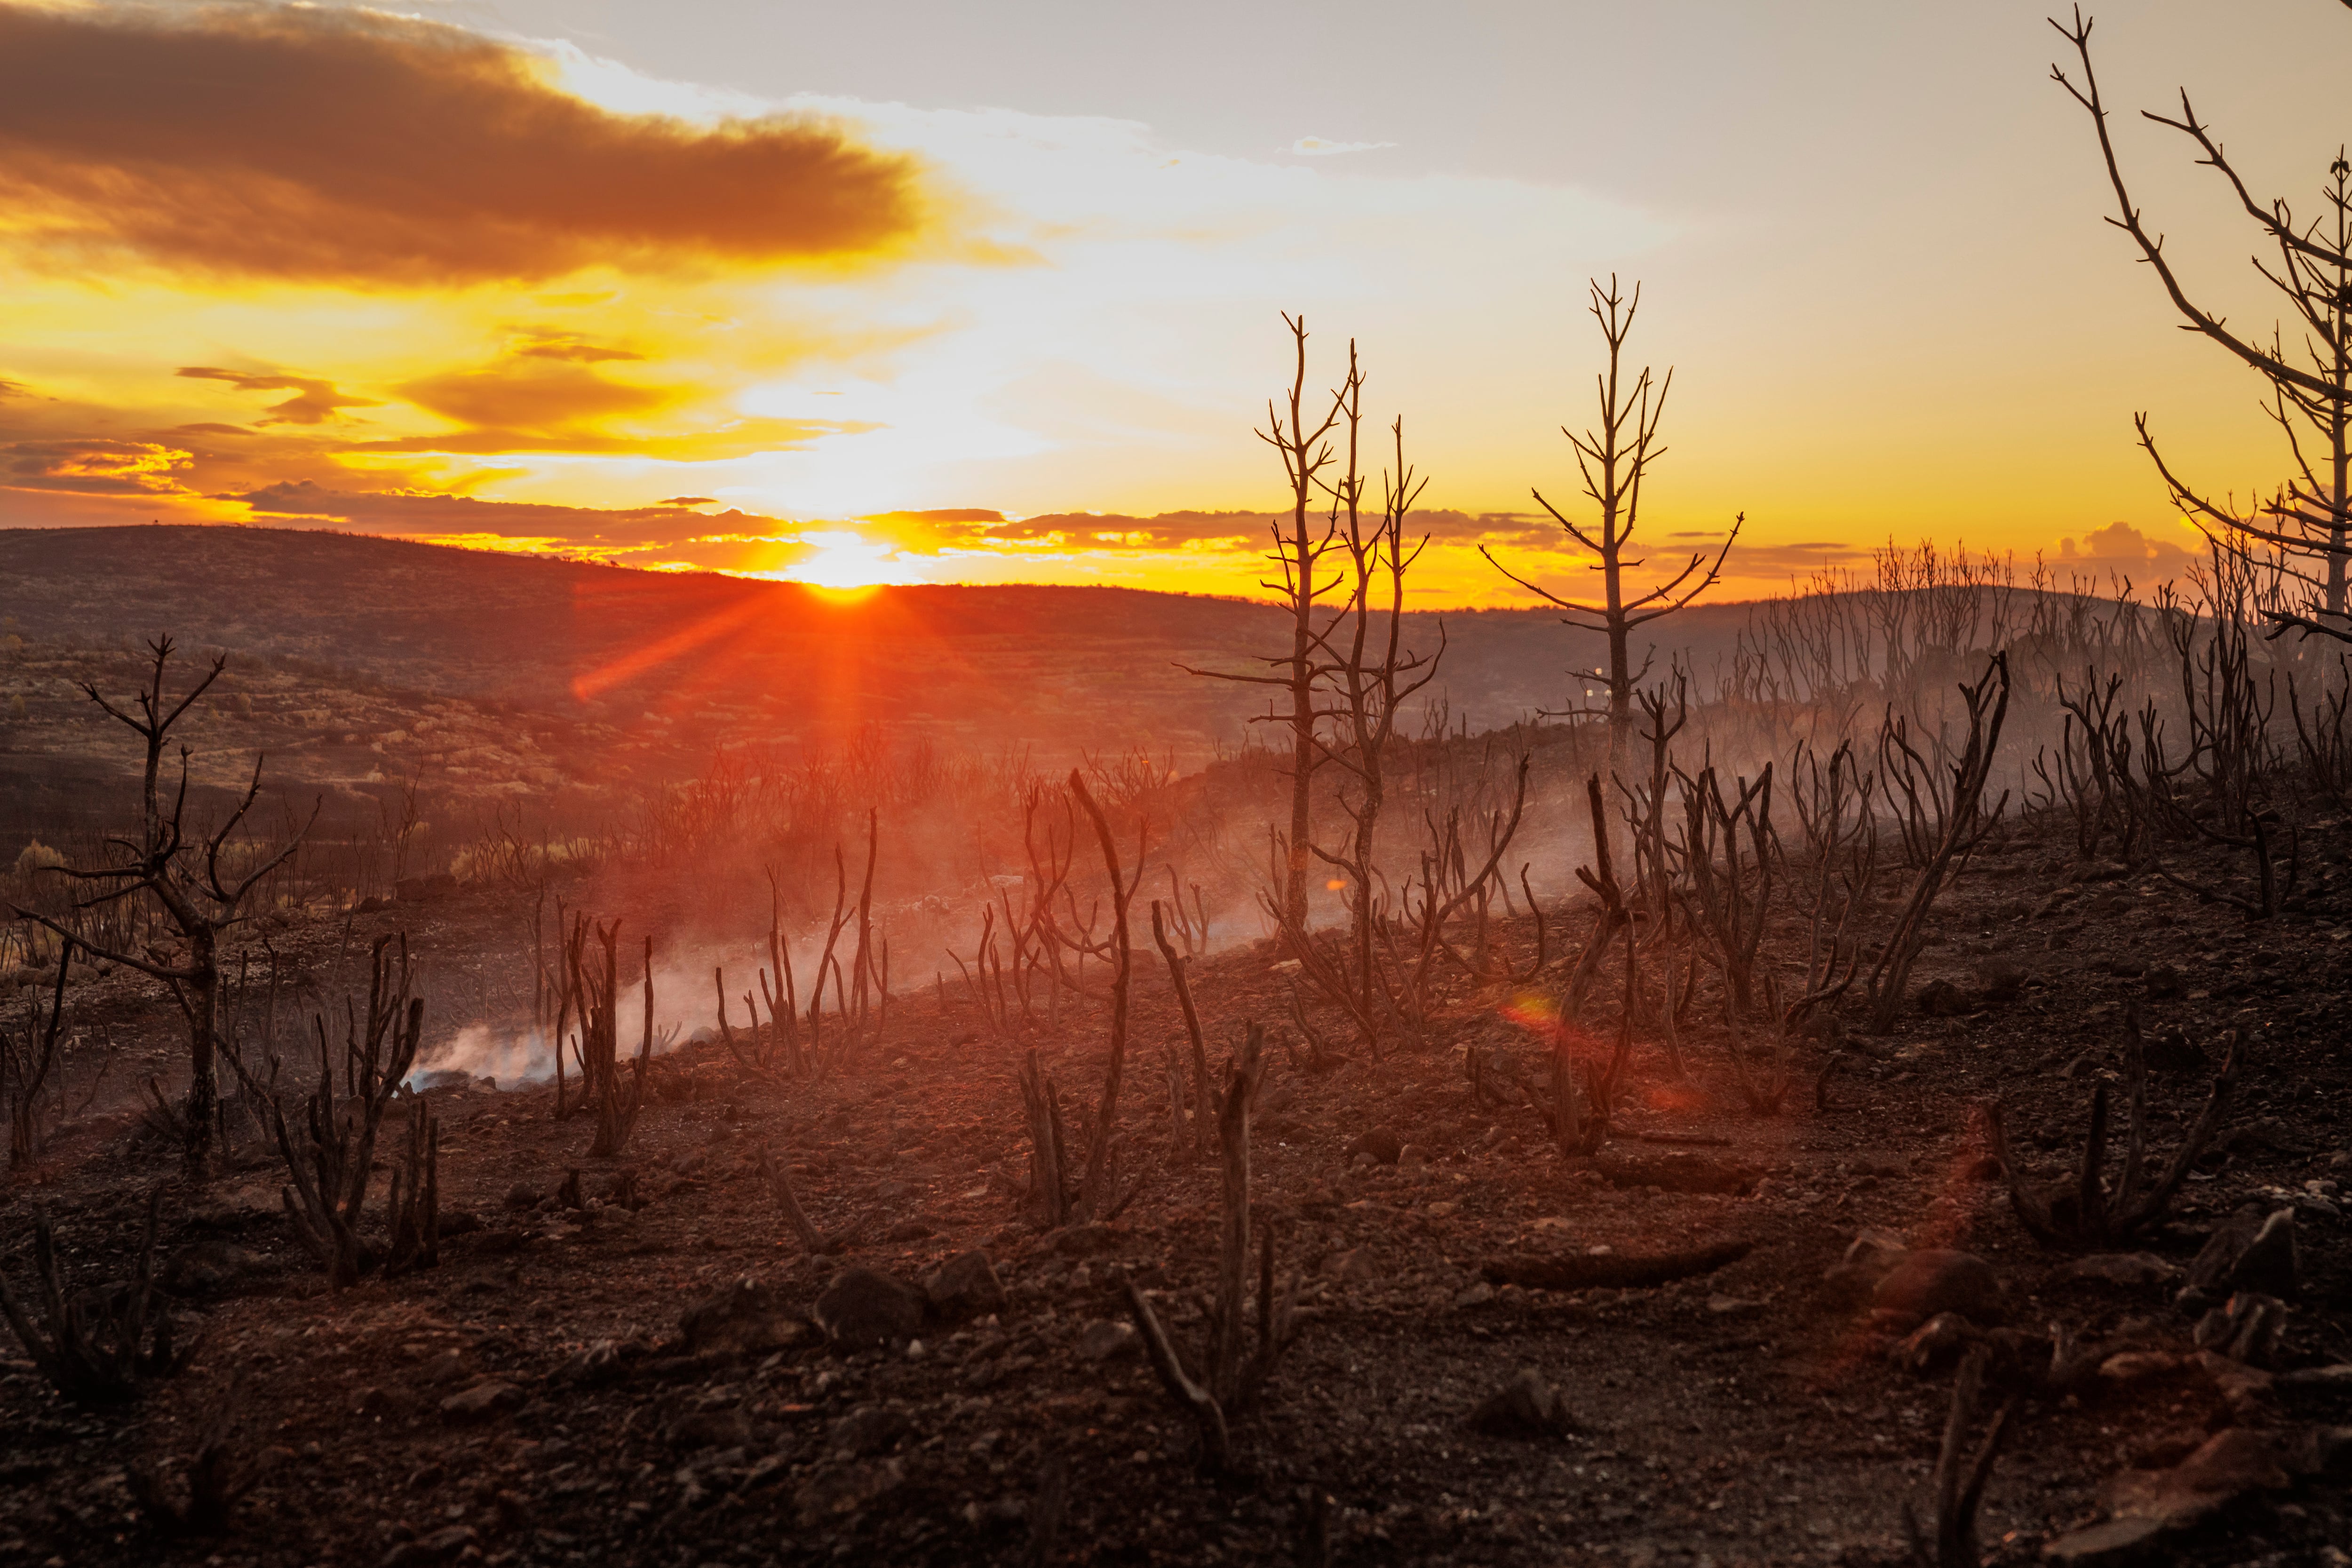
(1029,663)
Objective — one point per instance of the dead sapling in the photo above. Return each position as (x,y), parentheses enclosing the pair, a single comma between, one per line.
(1602,879)
(1225,1379)
(199,882)
(1096,1195)
(330,1158)
(1961,1470)
(819,1243)
(1203,1120)
(413,1205)
(1943,822)
(2087,1213)
(28,1055)
(218,1475)
(746,1057)
(100,1346)
(616,1101)
(1582,1092)
(1765,1073)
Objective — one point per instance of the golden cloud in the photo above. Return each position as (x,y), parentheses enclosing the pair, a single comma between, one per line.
(538,394)
(94,465)
(314,400)
(354,147)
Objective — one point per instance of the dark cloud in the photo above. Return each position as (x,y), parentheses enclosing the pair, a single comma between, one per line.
(356,147)
(425,514)
(314,400)
(94,465)
(409,511)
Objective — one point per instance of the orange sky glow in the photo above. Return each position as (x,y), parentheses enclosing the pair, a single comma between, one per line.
(487,279)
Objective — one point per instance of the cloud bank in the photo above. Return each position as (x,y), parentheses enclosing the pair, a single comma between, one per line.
(355,147)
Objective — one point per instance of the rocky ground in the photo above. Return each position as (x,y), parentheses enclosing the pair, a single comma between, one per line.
(649,1368)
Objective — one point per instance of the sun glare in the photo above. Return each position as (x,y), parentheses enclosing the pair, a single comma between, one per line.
(843,560)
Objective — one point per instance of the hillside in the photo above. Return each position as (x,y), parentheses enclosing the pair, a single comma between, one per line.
(1053,667)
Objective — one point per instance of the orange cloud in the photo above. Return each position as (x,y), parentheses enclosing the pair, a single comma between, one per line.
(314,400)
(575,347)
(94,465)
(537,394)
(354,147)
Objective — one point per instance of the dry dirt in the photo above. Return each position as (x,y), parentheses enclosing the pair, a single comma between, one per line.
(1748,1415)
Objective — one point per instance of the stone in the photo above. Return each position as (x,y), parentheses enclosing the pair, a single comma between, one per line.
(1383,1145)
(1940,999)
(745,1319)
(1682,1171)
(2323,1451)
(2131,1367)
(864,1308)
(2246,1328)
(965,1286)
(2164,1449)
(2170,1050)
(868,1430)
(597,1362)
(2113,1544)
(1083,1240)
(2000,982)
(437,1547)
(204,1268)
(480,1403)
(2244,1389)
(1525,1406)
(1870,1258)
(2253,1249)
(838,1492)
(2126,1270)
(1106,1338)
(1938,1340)
(2230,1465)
(711,1429)
(1936,1279)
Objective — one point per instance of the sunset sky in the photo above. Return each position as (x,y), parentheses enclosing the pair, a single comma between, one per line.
(905,291)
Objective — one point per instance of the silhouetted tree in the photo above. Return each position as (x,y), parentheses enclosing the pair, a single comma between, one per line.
(1614,460)
(1370,676)
(191,881)
(1299,547)
(2308,520)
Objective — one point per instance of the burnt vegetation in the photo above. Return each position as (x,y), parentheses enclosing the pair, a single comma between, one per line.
(1869,1097)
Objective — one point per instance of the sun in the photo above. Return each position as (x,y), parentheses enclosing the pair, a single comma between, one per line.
(843,561)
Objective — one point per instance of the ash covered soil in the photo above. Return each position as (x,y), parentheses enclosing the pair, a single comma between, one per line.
(609,1384)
